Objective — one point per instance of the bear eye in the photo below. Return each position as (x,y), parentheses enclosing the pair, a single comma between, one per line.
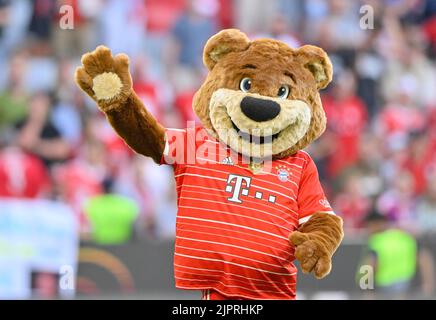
(245,84)
(283,92)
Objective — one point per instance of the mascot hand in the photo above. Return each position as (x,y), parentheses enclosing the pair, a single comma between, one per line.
(311,253)
(105,78)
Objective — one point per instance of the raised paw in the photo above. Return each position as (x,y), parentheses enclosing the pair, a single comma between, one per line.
(105,78)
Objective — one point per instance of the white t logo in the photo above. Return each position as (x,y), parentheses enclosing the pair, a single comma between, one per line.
(237,187)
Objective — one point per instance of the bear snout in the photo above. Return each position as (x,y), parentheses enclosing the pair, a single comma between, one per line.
(259,110)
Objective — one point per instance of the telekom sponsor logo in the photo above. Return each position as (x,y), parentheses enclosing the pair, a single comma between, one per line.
(237,190)
(239,187)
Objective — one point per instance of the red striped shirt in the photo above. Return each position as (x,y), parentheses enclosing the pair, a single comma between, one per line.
(233,225)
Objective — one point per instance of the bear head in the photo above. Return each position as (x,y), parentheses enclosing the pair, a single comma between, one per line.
(261,97)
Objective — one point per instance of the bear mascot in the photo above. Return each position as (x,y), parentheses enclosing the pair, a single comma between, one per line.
(249,198)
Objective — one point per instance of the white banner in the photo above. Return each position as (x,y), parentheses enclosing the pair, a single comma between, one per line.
(38,249)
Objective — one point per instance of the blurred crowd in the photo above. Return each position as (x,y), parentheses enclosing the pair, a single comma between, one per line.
(379,149)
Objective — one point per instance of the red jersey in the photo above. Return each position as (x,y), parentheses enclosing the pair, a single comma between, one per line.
(233,225)
(347,120)
(22,175)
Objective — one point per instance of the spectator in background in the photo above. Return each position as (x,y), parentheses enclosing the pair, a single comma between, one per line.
(72,43)
(426,209)
(253,16)
(148,90)
(65,114)
(193,28)
(184,52)
(409,70)
(152,189)
(279,29)
(82,178)
(340,31)
(15,17)
(38,135)
(183,105)
(4,15)
(117,19)
(165,215)
(429,29)
(41,23)
(399,117)
(395,258)
(351,203)
(347,120)
(226,14)
(398,202)
(138,182)
(111,217)
(420,160)
(45,285)
(368,165)
(13,99)
(23,175)
(315,13)
(369,65)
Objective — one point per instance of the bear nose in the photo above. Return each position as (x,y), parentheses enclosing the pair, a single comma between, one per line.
(259,109)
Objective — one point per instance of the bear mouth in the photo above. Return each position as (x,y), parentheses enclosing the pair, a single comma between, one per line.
(254,138)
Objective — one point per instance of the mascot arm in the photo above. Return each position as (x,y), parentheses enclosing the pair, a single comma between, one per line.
(107,80)
(316,241)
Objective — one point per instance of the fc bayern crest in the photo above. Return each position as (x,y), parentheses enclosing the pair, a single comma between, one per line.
(283,173)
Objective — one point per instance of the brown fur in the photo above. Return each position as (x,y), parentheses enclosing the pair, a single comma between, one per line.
(225,56)
(136,118)
(272,58)
(316,241)
(125,111)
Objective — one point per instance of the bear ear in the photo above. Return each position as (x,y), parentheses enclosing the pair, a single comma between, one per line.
(318,63)
(222,43)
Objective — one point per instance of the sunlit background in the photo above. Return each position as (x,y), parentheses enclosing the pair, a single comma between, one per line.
(81,216)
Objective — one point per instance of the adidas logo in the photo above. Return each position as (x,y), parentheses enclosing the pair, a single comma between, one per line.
(228,161)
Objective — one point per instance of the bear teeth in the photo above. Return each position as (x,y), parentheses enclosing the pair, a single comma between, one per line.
(253,138)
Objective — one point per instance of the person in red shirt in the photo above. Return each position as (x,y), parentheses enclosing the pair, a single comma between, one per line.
(22,175)
(183,103)
(420,161)
(147,89)
(347,116)
(351,203)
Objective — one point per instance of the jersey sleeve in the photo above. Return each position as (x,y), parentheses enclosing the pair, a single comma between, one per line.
(311,197)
